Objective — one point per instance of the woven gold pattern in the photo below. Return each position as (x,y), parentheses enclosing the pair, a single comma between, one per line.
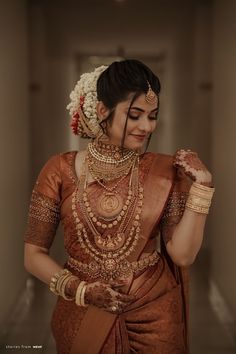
(112,267)
(44,208)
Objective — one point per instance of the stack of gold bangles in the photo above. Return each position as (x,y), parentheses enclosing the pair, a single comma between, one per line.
(58,284)
(199,199)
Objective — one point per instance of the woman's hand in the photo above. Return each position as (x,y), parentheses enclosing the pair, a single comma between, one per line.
(107,297)
(189,162)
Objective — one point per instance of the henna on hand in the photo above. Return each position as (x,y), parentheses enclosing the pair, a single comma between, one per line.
(192,166)
(103,296)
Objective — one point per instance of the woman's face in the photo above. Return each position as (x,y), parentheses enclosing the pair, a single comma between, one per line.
(142,121)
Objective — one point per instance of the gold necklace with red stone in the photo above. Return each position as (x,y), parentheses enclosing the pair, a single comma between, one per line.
(109,255)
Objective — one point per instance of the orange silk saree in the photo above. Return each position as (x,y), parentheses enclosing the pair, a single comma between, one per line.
(157,321)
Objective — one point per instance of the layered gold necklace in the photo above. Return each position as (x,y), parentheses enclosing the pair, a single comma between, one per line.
(115,224)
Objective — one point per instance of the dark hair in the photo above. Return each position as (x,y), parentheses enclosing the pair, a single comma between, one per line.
(122,78)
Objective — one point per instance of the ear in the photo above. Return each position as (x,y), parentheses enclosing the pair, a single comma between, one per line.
(102,111)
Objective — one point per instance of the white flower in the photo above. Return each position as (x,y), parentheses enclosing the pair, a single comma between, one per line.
(87,87)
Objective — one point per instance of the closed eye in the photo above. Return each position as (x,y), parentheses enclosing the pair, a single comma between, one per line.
(153,117)
(134,117)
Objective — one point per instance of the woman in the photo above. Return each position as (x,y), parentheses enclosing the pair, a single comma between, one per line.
(116,293)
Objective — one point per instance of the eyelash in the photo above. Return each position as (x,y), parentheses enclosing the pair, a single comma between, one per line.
(137,117)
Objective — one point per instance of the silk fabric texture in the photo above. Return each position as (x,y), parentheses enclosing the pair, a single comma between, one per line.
(156,321)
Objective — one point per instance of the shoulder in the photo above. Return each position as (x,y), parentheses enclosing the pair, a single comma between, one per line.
(67,158)
(55,163)
(161,165)
(166,161)
(157,164)
(157,155)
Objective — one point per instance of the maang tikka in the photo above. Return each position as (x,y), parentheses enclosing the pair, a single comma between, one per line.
(150,96)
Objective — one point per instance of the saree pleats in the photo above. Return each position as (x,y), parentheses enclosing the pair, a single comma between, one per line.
(154,323)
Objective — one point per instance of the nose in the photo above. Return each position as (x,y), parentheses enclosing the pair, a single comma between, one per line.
(145,125)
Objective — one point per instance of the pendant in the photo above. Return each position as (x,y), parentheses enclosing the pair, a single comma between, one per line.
(109,204)
(110,242)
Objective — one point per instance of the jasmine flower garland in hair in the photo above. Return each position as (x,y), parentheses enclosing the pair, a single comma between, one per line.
(84,98)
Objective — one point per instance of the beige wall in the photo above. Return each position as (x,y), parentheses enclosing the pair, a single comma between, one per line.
(51,84)
(223,238)
(50,87)
(202,81)
(14,149)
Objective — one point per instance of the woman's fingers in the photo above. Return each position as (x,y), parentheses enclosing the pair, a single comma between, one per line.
(117,285)
(126,298)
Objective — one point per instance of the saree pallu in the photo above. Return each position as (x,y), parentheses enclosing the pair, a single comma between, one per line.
(153,324)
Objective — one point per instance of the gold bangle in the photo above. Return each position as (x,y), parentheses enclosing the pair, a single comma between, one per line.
(82,296)
(54,280)
(197,187)
(192,191)
(60,281)
(199,201)
(202,186)
(53,283)
(197,208)
(62,285)
(78,293)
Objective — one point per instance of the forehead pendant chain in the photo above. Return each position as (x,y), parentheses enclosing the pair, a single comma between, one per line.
(150,96)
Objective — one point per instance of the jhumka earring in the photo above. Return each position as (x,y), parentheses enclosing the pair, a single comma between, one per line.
(150,96)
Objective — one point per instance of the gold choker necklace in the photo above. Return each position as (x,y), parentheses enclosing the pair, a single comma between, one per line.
(108,162)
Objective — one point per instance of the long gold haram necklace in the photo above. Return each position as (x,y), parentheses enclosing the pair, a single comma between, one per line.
(105,239)
(111,263)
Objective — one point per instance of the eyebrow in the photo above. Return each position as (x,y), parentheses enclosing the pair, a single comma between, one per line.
(142,110)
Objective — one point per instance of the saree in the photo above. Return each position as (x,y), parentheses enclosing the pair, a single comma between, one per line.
(156,321)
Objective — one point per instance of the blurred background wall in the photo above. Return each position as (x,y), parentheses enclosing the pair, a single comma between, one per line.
(15,150)
(223,220)
(44,47)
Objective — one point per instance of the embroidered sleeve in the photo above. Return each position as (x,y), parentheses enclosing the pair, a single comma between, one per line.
(44,210)
(175,207)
